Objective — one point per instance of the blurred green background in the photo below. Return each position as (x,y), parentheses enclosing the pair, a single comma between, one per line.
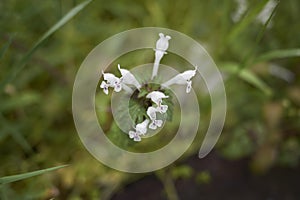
(256,45)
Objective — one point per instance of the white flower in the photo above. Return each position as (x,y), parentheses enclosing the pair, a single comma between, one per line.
(126,88)
(188,86)
(128,78)
(104,86)
(151,112)
(135,136)
(156,97)
(182,79)
(162,108)
(112,81)
(118,87)
(140,129)
(155,123)
(162,45)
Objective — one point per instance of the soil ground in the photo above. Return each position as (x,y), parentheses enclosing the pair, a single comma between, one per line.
(232,180)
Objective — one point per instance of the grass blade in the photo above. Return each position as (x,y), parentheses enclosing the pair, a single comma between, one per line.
(54,28)
(279,54)
(246,20)
(254,80)
(248,76)
(14,132)
(59,24)
(5,47)
(250,56)
(13,178)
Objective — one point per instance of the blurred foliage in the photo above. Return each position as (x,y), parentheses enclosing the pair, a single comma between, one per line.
(182,171)
(203,177)
(36,125)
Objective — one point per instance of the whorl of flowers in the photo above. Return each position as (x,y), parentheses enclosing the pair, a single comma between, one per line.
(128,83)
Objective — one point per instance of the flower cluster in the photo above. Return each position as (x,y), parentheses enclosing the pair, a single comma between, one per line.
(118,84)
(128,80)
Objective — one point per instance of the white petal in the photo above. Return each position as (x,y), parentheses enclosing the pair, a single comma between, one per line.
(137,138)
(110,79)
(151,112)
(187,75)
(178,79)
(156,96)
(162,43)
(142,127)
(105,90)
(128,78)
(117,87)
(158,123)
(163,108)
(122,71)
(153,125)
(132,134)
(127,88)
(181,79)
(188,86)
(103,84)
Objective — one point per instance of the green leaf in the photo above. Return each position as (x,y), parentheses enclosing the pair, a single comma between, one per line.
(136,111)
(279,54)
(119,138)
(14,178)
(46,35)
(247,76)
(142,93)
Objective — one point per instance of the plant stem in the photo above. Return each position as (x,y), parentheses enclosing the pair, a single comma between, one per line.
(168,183)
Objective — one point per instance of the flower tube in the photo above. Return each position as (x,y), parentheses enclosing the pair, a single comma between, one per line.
(128,78)
(162,45)
(182,79)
